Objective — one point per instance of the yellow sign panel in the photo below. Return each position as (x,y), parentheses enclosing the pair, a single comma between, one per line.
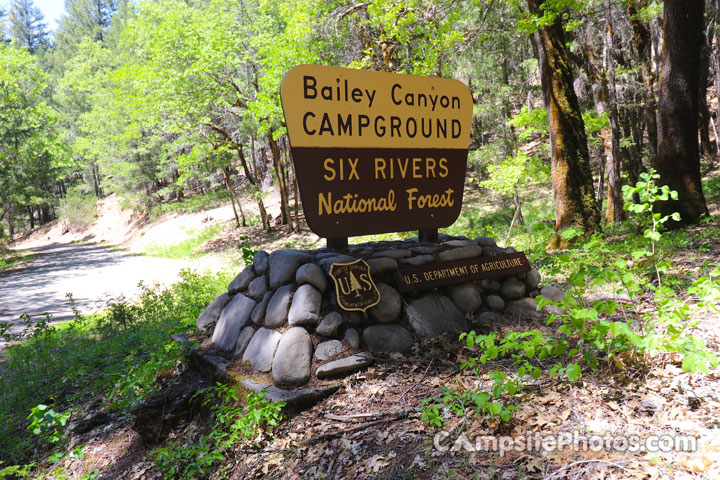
(333,107)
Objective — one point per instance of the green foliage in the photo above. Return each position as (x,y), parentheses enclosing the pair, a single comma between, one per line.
(115,356)
(187,248)
(530,123)
(47,423)
(507,177)
(612,331)
(248,253)
(232,423)
(78,209)
(31,153)
(10,258)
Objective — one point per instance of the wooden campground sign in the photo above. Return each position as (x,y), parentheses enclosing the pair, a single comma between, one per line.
(376,152)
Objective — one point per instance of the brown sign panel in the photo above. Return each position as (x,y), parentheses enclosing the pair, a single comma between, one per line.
(376,152)
(413,279)
(354,285)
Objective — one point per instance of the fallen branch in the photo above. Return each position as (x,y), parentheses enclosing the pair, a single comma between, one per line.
(362,426)
(355,416)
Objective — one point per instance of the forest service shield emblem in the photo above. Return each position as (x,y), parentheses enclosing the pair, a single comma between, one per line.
(354,285)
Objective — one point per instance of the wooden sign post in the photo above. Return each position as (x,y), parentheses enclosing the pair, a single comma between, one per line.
(377,152)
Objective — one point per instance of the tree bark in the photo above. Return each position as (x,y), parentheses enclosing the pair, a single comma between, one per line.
(280,174)
(614,209)
(678,162)
(257,194)
(643,43)
(572,181)
(231,190)
(704,116)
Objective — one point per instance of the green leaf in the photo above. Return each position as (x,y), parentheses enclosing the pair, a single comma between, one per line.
(573,372)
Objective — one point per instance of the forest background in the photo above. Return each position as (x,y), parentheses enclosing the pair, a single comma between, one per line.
(161,100)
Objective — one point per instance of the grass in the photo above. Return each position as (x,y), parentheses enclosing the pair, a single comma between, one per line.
(113,357)
(10,258)
(186,248)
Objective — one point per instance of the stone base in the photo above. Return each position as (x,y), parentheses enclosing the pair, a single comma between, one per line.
(280,314)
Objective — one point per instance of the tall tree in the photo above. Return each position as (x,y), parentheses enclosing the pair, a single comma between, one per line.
(572,181)
(82,19)
(29,146)
(27,25)
(678,161)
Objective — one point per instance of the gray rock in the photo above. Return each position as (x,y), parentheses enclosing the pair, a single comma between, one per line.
(277,310)
(486,241)
(419,260)
(329,325)
(261,350)
(283,265)
(387,338)
(209,366)
(258,314)
(327,349)
(257,288)
(210,315)
(552,293)
(460,253)
(354,318)
(396,253)
(424,250)
(525,309)
(388,309)
(241,282)
(461,243)
(180,338)
(495,302)
(293,358)
(312,274)
(491,251)
(490,285)
(232,319)
(466,297)
(509,250)
(345,365)
(295,398)
(381,265)
(512,288)
(433,314)
(305,306)
(487,319)
(260,262)
(352,337)
(327,262)
(244,340)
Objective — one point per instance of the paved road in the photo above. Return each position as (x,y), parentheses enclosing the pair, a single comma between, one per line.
(93,274)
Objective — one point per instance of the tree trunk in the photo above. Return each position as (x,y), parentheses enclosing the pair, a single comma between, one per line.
(231,190)
(96,180)
(257,190)
(10,217)
(643,43)
(572,182)
(704,117)
(280,174)
(614,209)
(32,217)
(295,220)
(678,161)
